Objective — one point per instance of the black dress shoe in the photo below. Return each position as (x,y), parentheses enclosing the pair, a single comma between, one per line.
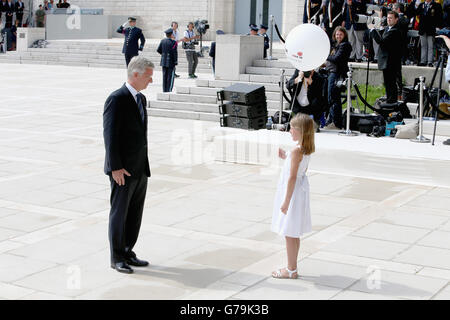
(137,262)
(176,75)
(122,267)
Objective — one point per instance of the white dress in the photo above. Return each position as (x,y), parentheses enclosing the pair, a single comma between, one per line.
(297,221)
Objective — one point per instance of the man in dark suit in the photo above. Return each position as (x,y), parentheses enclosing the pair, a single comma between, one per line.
(212,51)
(390,55)
(9,13)
(20,6)
(308,91)
(132,34)
(169,59)
(263,32)
(126,162)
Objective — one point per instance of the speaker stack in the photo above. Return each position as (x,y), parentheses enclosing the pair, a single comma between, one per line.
(243,106)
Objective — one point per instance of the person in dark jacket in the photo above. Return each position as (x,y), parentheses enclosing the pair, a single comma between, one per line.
(125,124)
(430,18)
(9,9)
(390,55)
(337,67)
(263,32)
(307,91)
(212,51)
(332,16)
(169,59)
(133,35)
(355,30)
(19,7)
(446,14)
(312,11)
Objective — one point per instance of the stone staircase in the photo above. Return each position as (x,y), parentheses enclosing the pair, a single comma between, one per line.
(93,54)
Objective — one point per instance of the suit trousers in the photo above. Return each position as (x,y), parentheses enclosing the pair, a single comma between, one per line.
(192,59)
(356,39)
(390,83)
(128,58)
(127,205)
(168,77)
(426,48)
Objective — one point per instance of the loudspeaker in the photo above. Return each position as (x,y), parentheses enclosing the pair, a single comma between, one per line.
(243,123)
(243,93)
(240,110)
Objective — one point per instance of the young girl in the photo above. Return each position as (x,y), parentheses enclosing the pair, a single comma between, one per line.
(291,216)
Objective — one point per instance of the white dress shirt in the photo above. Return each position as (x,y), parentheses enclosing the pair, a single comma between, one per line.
(132,90)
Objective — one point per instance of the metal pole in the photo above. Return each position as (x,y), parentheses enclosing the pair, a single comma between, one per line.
(420,138)
(271,37)
(348,132)
(281,94)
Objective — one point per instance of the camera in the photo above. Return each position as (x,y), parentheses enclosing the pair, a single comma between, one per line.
(440,43)
(306,74)
(201,26)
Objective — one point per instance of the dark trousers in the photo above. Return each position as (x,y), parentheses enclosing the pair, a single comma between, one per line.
(168,77)
(19,16)
(128,58)
(192,59)
(399,81)
(390,83)
(127,205)
(311,110)
(334,101)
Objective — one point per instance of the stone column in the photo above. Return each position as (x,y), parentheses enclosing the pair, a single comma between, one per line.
(234,53)
(292,15)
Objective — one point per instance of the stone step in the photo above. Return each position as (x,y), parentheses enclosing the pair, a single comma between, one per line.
(202,99)
(206,91)
(184,106)
(181,114)
(270,87)
(269,71)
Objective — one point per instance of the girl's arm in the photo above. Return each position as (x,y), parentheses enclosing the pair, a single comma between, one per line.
(296,157)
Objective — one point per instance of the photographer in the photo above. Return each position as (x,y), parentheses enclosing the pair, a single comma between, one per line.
(430,18)
(337,67)
(355,30)
(447,69)
(390,55)
(189,47)
(307,92)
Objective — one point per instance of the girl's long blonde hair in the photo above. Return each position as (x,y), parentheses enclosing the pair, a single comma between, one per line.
(305,125)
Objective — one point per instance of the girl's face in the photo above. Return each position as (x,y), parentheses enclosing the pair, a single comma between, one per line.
(339,36)
(295,133)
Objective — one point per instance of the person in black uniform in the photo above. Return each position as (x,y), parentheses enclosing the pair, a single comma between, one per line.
(20,6)
(390,55)
(212,51)
(263,32)
(312,11)
(125,124)
(132,34)
(9,9)
(253,30)
(332,16)
(169,59)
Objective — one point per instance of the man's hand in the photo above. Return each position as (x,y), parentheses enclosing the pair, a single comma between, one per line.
(299,78)
(118,176)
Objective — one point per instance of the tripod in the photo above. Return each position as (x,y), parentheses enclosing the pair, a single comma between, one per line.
(442,54)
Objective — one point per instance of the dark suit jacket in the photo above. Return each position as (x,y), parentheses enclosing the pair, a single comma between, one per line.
(390,52)
(125,134)
(429,19)
(316,96)
(212,50)
(132,37)
(355,9)
(336,9)
(340,57)
(19,7)
(169,54)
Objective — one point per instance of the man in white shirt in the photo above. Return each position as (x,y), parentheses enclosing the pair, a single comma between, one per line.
(189,48)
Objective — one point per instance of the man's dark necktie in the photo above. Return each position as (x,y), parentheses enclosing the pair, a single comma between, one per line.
(140,104)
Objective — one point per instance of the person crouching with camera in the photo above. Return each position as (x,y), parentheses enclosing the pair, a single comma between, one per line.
(306,90)
(337,67)
(390,55)
(189,48)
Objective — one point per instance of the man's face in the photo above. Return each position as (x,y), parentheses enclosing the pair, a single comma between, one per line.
(132,23)
(174,26)
(142,80)
(349,2)
(262,31)
(253,32)
(391,20)
(190,26)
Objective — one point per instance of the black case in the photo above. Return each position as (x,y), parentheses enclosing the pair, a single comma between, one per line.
(243,123)
(356,117)
(239,110)
(243,93)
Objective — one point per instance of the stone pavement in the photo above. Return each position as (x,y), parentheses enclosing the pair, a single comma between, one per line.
(206,225)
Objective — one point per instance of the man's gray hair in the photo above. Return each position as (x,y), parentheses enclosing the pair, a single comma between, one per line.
(139,64)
